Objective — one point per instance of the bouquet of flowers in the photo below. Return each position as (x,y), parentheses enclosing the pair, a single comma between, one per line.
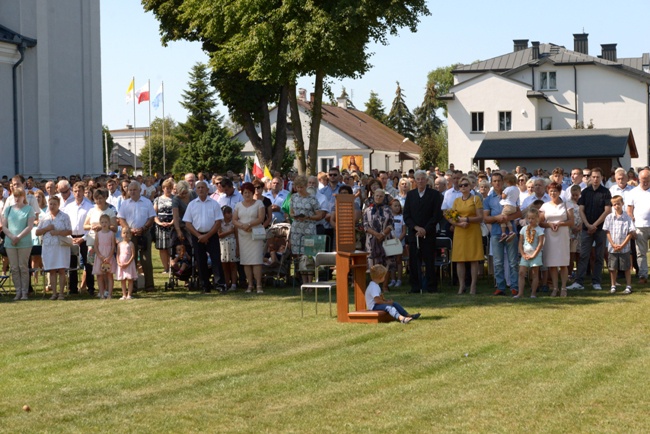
(451,214)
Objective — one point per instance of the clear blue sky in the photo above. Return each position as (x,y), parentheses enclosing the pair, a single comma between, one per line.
(455,32)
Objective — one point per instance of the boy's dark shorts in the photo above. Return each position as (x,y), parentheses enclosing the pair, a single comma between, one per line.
(619,261)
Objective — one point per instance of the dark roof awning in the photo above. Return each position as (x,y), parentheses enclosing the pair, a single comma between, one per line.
(574,143)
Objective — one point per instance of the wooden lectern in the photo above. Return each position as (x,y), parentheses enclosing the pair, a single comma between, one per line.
(349,260)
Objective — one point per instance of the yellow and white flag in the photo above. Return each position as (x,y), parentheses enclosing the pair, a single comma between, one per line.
(129,91)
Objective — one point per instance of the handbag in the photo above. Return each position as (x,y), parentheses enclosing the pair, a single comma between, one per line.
(65,241)
(259,233)
(392,247)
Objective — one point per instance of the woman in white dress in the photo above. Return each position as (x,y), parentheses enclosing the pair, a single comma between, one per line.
(248,214)
(557,220)
(56,257)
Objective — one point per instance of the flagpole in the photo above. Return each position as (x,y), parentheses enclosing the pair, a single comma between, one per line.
(134,128)
(106,150)
(162,87)
(149,86)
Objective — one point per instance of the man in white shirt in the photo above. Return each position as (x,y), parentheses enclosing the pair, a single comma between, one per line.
(77,209)
(230,197)
(277,195)
(539,193)
(638,207)
(452,192)
(65,192)
(137,215)
(114,193)
(203,219)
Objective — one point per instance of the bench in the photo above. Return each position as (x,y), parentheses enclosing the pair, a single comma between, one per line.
(369,316)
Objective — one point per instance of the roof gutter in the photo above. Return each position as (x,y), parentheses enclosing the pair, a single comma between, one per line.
(14,77)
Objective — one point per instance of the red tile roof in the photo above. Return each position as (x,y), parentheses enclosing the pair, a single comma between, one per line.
(365,129)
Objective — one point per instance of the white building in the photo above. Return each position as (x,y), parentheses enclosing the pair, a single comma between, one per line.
(131,139)
(547,87)
(50,88)
(346,133)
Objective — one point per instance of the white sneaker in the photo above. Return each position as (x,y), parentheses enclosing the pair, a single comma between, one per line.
(613,290)
(576,285)
(597,286)
(233,287)
(391,284)
(398,283)
(628,290)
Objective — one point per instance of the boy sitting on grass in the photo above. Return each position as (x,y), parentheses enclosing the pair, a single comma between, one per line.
(375,299)
(620,230)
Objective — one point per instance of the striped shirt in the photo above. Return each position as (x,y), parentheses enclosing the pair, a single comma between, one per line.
(618,228)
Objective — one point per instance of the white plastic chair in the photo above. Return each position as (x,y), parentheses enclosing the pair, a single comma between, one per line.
(322,259)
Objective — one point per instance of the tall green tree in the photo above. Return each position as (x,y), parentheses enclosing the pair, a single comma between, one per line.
(214,151)
(199,101)
(426,119)
(375,107)
(162,159)
(271,43)
(442,79)
(400,117)
(434,149)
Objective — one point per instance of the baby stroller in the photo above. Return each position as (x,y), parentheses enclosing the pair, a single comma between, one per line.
(277,257)
(181,271)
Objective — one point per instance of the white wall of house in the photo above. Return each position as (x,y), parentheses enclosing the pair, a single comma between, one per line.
(490,94)
(333,144)
(608,98)
(126,138)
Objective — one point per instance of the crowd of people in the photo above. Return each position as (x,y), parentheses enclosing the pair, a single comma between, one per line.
(543,228)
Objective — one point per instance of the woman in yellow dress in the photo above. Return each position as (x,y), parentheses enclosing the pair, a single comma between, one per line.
(468,245)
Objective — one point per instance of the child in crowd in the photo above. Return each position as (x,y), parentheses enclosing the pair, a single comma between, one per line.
(105,264)
(126,271)
(620,230)
(574,244)
(531,242)
(376,301)
(400,234)
(509,199)
(229,248)
(181,262)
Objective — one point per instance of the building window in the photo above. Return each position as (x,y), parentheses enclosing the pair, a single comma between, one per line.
(326,164)
(547,80)
(546,124)
(505,121)
(477,121)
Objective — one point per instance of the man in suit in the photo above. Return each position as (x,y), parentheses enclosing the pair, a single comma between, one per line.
(422,212)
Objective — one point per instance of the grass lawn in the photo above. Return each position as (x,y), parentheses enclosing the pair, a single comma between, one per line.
(186,362)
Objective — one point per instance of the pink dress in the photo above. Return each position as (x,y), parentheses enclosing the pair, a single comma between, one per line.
(124,252)
(103,246)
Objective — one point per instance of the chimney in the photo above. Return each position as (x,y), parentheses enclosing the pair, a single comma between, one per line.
(608,52)
(520,44)
(535,46)
(342,102)
(302,95)
(581,43)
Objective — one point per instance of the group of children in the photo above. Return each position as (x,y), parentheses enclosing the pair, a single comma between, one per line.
(114,258)
(618,226)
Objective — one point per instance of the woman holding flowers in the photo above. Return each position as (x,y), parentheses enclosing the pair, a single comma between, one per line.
(466,216)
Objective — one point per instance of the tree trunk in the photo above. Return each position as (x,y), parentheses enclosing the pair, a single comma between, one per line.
(316,115)
(280,145)
(298,140)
